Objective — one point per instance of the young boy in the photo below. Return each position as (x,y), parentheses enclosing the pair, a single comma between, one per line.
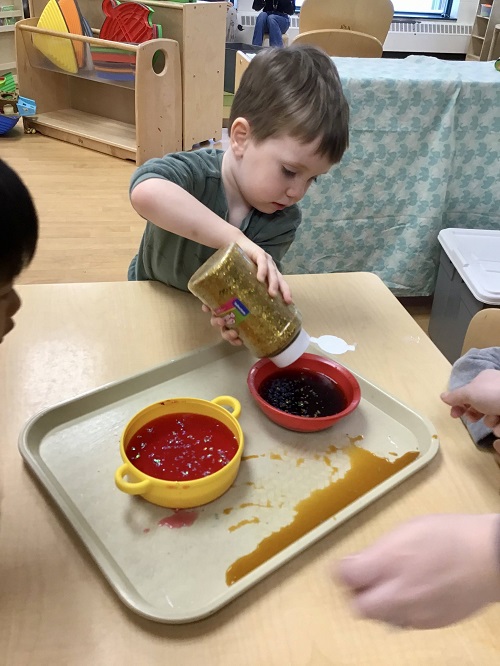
(288,125)
(18,239)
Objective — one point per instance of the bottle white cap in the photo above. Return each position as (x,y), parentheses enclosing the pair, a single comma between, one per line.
(294,350)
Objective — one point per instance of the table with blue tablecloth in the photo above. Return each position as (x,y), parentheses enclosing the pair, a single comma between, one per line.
(424,155)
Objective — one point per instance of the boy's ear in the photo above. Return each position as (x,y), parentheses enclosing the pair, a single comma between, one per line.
(240,135)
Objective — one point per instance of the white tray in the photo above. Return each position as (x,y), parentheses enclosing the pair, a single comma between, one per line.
(179,574)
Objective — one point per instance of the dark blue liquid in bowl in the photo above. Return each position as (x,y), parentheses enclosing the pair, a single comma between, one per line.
(303,393)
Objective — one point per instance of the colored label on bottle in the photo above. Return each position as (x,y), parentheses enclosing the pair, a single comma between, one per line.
(233,312)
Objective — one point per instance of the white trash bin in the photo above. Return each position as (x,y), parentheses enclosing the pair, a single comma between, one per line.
(468,281)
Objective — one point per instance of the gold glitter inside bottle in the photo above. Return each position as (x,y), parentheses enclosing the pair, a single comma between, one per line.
(227,283)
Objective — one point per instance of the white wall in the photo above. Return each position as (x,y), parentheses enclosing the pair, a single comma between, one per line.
(467,11)
(246,5)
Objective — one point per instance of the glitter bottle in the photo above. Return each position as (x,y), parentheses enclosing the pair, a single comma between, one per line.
(227,283)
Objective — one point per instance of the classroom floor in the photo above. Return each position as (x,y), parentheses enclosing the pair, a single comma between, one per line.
(89,231)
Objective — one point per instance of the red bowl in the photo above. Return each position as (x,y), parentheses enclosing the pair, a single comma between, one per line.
(344,380)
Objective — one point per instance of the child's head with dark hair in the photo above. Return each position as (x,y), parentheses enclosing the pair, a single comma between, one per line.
(289,123)
(18,239)
(18,225)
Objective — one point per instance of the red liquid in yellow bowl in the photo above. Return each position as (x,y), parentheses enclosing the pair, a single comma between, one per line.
(182,447)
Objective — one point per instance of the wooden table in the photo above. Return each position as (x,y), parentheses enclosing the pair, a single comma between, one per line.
(55,606)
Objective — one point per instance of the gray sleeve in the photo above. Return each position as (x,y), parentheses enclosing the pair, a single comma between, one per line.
(276,237)
(175,167)
(464,370)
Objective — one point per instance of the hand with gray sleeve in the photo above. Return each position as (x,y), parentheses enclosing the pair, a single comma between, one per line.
(476,376)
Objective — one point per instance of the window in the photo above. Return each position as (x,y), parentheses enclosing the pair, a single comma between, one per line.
(430,8)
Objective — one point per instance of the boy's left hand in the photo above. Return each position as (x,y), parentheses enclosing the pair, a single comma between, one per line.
(229,334)
(267,270)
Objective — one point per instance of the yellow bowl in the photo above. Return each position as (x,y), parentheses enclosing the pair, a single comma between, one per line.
(181,494)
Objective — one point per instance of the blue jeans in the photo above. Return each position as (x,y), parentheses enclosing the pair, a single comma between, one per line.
(273,24)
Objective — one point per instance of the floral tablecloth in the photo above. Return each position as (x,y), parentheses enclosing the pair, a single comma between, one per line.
(424,155)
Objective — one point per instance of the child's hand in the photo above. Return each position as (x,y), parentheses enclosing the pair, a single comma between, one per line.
(266,270)
(429,572)
(228,334)
(480,397)
(477,399)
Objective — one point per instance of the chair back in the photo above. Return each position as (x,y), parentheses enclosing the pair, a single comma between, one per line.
(342,43)
(372,17)
(483,330)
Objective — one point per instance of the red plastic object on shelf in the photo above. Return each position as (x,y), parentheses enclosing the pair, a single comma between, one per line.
(128,22)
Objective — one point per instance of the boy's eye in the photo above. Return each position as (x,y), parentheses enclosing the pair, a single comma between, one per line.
(287,172)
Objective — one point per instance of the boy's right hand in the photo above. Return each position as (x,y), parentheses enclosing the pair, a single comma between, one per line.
(267,270)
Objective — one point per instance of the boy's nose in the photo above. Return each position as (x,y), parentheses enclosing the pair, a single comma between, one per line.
(296,191)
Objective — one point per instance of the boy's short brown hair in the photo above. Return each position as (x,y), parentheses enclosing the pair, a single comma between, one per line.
(294,91)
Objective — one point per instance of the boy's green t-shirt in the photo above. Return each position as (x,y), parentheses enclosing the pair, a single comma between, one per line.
(172,259)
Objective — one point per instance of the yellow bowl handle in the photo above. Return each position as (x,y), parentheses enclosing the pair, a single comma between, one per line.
(138,488)
(229,401)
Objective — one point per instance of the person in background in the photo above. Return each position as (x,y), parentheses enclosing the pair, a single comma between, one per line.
(274,20)
(438,569)
(18,239)
(231,21)
(288,124)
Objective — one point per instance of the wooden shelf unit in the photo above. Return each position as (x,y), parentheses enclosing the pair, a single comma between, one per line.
(7,40)
(494,53)
(482,32)
(133,120)
(200,30)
